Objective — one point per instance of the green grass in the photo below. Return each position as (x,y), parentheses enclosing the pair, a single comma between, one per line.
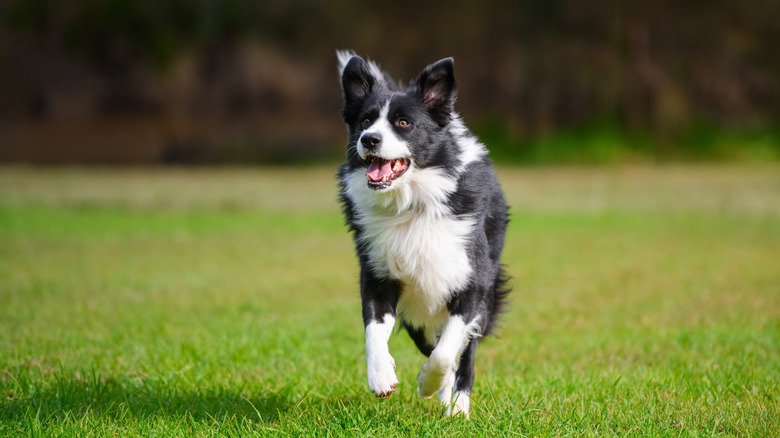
(224,302)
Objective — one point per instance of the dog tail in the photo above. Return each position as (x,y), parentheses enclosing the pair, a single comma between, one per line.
(501,290)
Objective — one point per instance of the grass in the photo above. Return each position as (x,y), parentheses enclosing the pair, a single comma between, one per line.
(224,302)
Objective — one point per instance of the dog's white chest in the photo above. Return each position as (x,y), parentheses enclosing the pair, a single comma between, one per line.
(409,235)
(426,252)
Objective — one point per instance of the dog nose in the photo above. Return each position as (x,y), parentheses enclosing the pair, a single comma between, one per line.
(371,141)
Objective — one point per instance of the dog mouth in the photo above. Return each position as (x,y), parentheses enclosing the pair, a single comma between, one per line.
(381,172)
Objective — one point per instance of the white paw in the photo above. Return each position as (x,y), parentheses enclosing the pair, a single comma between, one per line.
(445,394)
(434,377)
(460,405)
(381,374)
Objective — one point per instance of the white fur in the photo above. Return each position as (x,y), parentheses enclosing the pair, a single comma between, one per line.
(392,147)
(470,148)
(381,365)
(343,59)
(438,373)
(445,393)
(459,404)
(416,191)
(412,237)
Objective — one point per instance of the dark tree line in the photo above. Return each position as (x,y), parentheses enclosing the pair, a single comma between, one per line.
(234,76)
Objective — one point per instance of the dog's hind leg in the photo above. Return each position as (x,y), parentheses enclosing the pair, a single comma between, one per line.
(420,339)
(464,380)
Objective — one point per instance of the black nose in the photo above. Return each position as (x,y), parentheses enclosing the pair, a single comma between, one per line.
(371,141)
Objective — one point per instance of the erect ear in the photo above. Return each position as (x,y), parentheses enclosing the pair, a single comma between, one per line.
(357,81)
(436,88)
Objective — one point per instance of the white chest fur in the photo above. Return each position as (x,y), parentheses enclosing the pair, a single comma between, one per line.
(410,237)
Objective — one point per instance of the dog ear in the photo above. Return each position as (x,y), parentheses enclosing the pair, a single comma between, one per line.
(357,82)
(436,88)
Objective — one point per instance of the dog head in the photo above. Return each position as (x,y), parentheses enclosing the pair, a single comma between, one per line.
(392,130)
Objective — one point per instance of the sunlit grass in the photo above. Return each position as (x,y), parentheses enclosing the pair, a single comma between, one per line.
(224,302)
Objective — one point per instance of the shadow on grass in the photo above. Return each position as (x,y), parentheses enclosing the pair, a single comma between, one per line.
(139,398)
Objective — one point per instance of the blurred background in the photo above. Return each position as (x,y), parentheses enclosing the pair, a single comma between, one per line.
(241,81)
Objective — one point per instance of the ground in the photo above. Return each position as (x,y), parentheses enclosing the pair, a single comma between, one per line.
(224,302)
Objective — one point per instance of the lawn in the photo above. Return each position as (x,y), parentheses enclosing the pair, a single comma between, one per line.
(224,302)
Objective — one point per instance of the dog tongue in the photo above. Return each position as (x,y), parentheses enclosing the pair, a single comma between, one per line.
(379,168)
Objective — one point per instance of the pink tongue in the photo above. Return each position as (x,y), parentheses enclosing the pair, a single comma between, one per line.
(379,168)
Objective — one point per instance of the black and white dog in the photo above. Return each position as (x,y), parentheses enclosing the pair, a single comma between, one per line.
(428,218)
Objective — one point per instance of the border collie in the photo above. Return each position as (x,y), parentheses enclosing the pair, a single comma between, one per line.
(428,218)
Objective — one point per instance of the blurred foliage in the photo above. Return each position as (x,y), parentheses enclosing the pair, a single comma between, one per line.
(612,80)
(607,143)
(154,31)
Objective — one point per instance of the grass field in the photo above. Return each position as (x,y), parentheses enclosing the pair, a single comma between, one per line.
(224,302)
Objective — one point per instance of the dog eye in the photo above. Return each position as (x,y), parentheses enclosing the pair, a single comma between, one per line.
(403,123)
(366,122)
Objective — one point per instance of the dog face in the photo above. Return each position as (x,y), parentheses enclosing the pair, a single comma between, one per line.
(392,132)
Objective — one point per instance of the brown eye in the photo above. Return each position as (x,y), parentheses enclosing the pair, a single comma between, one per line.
(366,122)
(403,123)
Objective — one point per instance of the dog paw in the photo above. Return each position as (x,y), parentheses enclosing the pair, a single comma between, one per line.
(381,375)
(433,377)
(459,405)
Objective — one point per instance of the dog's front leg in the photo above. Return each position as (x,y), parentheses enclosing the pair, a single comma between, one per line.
(379,302)
(381,365)
(438,373)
